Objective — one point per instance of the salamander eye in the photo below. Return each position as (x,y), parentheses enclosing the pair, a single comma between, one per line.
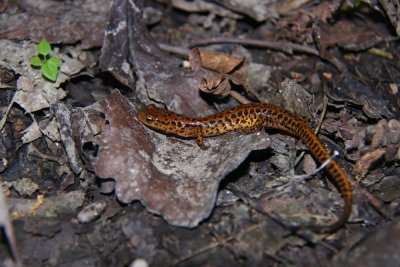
(149,118)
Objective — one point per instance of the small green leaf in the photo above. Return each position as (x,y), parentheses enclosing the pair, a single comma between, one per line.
(54,61)
(50,71)
(35,61)
(44,47)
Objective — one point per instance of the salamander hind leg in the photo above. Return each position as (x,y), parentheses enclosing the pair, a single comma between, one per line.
(200,139)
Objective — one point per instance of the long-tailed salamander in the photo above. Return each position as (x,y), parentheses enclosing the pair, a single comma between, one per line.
(250,118)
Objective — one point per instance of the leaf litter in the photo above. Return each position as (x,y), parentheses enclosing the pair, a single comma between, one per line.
(173,177)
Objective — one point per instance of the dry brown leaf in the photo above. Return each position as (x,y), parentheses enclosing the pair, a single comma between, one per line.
(214,60)
(218,71)
(366,162)
(216,84)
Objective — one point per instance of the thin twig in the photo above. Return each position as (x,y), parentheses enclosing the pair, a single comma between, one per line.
(239,97)
(286,47)
(174,49)
(4,119)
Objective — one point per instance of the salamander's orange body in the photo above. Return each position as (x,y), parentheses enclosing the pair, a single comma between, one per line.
(250,118)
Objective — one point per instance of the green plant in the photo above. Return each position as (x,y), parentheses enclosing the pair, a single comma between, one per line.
(48,64)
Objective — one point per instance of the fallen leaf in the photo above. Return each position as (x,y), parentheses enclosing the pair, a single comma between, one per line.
(366,162)
(218,70)
(213,60)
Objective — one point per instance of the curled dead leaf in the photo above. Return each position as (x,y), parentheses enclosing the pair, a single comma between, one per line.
(219,71)
(217,85)
(213,60)
(366,162)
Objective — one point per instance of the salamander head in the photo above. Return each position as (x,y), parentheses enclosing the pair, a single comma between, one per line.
(158,118)
(151,115)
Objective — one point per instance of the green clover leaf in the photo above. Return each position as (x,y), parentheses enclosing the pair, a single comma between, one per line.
(36,62)
(44,48)
(50,68)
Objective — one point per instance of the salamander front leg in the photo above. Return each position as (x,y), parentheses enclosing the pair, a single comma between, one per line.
(200,138)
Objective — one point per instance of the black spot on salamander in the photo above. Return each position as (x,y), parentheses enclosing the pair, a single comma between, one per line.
(313,146)
(233,116)
(318,155)
(334,171)
(305,134)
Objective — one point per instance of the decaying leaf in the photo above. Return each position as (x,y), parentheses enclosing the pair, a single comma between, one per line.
(218,71)
(31,98)
(216,84)
(366,162)
(372,102)
(171,177)
(49,128)
(31,133)
(213,60)
(349,35)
